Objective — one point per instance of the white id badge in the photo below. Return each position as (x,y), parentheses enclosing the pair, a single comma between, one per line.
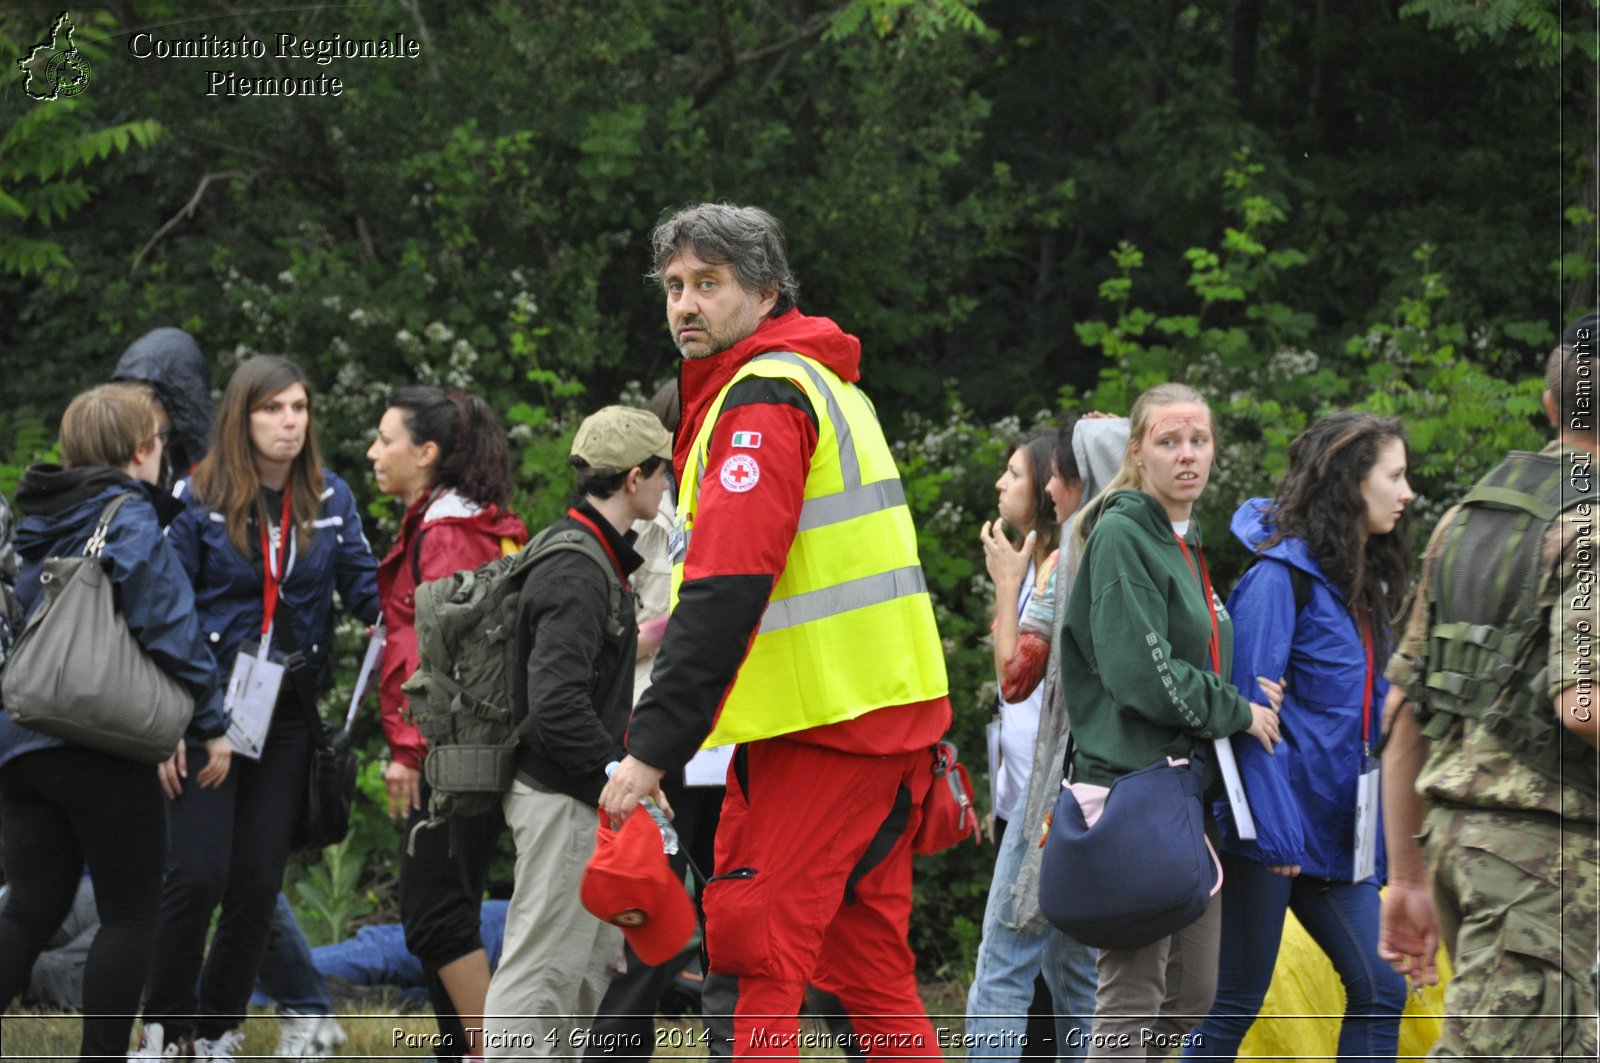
(252,694)
(678,542)
(708,767)
(1366,850)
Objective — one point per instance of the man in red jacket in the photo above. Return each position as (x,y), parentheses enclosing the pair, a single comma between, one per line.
(803,632)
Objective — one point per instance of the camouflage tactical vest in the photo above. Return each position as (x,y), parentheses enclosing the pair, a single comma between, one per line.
(1489,619)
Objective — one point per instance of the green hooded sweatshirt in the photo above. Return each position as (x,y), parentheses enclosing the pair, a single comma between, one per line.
(1137,646)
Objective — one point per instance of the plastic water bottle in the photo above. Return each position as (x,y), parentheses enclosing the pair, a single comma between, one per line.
(669,835)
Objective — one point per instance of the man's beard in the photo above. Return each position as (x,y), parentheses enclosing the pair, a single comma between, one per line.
(718,341)
(714,343)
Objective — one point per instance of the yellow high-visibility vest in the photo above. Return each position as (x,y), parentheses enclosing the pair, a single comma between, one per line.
(849,627)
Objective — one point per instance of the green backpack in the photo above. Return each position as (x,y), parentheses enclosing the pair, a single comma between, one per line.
(464,692)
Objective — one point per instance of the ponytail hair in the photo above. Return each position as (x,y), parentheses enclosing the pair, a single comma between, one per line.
(473,458)
(1130,476)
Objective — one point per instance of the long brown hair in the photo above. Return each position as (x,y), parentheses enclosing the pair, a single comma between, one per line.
(1037,449)
(226,478)
(1320,500)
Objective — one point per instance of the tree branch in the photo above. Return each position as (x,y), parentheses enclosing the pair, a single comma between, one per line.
(713,82)
(188,210)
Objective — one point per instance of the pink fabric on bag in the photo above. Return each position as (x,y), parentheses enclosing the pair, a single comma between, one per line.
(1091,799)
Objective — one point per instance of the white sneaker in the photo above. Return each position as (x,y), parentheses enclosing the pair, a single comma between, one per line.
(305,1036)
(150,1046)
(220,1050)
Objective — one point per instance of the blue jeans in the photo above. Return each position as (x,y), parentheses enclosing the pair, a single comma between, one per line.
(1009,959)
(1341,917)
(287,975)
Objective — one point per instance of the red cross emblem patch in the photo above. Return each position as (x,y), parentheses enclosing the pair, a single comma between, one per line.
(740,473)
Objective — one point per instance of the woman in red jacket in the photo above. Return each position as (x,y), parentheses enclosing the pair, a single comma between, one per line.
(444,456)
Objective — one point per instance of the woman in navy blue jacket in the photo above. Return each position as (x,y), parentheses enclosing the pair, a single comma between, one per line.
(1333,559)
(63,804)
(267,536)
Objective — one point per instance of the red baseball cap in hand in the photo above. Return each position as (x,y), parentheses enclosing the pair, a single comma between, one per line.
(629,884)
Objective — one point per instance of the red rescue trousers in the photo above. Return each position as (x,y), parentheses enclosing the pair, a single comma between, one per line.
(804,894)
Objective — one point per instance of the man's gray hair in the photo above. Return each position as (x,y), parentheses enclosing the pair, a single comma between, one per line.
(747,239)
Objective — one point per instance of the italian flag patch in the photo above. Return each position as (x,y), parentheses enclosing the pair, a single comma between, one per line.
(747,440)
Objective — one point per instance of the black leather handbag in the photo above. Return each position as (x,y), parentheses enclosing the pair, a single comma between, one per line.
(331,781)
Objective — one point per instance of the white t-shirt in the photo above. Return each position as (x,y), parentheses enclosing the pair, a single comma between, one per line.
(1019,725)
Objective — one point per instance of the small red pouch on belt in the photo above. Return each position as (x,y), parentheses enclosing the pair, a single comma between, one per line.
(948,814)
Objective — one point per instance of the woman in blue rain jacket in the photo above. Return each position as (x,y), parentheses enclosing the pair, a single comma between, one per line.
(1314,610)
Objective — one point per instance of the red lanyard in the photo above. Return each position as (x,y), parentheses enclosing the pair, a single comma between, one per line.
(270,579)
(1366,693)
(612,554)
(1204,576)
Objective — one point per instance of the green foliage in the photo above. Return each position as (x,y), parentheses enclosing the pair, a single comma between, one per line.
(45,149)
(1265,383)
(330,900)
(23,439)
(1543,32)
(1461,419)
(925,18)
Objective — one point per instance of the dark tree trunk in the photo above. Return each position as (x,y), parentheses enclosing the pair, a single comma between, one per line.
(1242,60)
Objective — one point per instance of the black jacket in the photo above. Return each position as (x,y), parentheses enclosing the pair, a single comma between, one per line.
(578,685)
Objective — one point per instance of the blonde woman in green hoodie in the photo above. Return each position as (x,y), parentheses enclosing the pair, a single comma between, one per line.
(1151,643)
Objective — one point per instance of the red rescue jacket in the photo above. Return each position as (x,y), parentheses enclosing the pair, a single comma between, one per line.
(440,535)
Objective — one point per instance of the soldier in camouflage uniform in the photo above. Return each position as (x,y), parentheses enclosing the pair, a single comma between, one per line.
(1493,770)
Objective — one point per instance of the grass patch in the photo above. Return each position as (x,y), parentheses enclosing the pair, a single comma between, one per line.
(44,1035)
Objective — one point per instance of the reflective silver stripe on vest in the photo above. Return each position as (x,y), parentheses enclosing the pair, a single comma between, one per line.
(849,464)
(844,597)
(849,504)
(836,508)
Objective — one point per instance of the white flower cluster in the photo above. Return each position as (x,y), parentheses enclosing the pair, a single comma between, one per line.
(408,343)
(1289,363)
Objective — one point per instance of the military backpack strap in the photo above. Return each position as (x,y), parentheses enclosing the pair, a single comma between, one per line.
(416,557)
(556,540)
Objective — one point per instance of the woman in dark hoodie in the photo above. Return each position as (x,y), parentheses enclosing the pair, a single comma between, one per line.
(64,805)
(169,360)
(1150,645)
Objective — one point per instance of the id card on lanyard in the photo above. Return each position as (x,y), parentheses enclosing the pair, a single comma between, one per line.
(253,687)
(1364,863)
(1232,784)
